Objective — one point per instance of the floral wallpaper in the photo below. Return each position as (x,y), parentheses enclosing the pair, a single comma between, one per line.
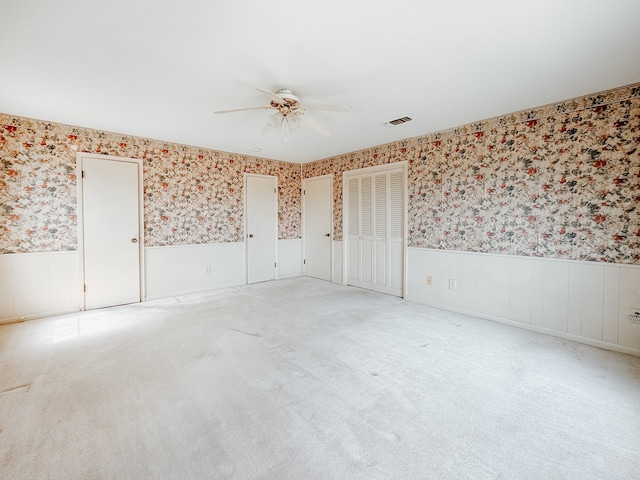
(191,195)
(559,181)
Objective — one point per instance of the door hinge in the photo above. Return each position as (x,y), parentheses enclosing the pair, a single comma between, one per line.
(275,264)
(82,174)
(275,191)
(85,288)
(304,262)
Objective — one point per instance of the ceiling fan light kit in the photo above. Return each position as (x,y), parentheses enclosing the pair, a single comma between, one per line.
(290,112)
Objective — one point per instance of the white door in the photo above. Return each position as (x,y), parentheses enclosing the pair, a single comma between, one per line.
(375,224)
(396,232)
(352,234)
(318,226)
(380,234)
(262,227)
(111,232)
(361,244)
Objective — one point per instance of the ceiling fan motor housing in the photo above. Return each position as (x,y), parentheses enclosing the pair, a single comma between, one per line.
(290,102)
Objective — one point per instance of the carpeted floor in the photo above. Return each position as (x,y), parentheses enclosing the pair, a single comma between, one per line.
(302,379)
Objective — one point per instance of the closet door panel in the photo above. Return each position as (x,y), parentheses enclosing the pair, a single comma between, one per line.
(367,231)
(396,232)
(381,217)
(366,264)
(396,267)
(353,238)
(376,204)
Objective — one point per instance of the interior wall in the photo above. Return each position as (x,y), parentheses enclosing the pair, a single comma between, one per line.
(560,181)
(534,215)
(193,206)
(33,284)
(590,302)
(191,195)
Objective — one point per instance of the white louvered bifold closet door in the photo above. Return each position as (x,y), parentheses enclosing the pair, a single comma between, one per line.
(366,233)
(376,231)
(353,235)
(395,251)
(380,239)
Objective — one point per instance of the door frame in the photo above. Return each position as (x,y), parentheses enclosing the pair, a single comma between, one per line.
(80,156)
(346,176)
(304,242)
(246,232)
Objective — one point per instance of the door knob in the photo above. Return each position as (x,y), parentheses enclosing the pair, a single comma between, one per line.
(328,235)
(251,235)
(134,240)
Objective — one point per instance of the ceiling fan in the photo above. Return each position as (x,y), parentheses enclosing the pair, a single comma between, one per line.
(290,113)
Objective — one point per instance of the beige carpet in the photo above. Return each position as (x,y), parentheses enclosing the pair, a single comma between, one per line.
(302,379)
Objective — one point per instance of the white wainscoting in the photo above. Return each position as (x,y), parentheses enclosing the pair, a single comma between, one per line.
(42,284)
(182,269)
(337,262)
(38,284)
(582,301)
(289,258)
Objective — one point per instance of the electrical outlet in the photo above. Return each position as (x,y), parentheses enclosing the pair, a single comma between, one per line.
(453,284)
(207,270)
(429,280)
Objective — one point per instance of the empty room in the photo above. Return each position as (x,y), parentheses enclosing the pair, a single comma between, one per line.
(320,240)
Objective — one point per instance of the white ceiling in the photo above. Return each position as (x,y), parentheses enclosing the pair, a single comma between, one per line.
(159,69)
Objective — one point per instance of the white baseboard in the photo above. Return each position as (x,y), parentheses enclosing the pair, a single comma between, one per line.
(24,318)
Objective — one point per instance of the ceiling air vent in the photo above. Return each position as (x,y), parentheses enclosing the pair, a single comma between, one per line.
(398,121)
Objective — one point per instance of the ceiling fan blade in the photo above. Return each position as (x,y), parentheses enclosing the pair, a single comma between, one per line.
(274,122)
(317,126)
(326,107)
(260,107)
(271,95)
